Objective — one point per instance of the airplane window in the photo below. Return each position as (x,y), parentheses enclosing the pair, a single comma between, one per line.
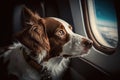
(103,21)
(101,24)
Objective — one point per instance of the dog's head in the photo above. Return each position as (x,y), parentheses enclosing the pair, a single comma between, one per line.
(63,41)
(53,35)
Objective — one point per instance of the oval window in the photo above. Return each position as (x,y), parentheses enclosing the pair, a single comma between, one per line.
(102,23)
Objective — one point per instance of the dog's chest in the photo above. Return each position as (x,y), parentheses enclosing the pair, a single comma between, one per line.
(19,67)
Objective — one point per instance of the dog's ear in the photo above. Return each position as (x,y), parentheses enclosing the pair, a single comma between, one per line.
(34,35)
(27,13)
(29,17)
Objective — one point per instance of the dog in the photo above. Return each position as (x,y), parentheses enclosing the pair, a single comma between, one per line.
(44,48)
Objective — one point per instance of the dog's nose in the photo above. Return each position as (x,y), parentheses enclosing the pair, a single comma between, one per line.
(87,43)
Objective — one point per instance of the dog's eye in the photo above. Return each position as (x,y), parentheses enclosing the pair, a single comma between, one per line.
(60,33)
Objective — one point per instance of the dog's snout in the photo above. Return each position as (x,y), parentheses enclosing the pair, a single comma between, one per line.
(87,43)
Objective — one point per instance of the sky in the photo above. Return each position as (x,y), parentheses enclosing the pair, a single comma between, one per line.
(105,12)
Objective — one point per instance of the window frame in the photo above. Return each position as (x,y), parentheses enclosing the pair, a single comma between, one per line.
(90,34)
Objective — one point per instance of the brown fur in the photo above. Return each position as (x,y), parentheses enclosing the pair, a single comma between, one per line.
(34,35)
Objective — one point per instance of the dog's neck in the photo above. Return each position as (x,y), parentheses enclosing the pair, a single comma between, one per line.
(31,60)
(38,57)
(37,64)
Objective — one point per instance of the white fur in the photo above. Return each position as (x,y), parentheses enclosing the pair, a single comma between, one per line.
(41,56)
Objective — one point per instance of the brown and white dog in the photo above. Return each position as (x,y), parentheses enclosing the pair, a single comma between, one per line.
(44,43)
